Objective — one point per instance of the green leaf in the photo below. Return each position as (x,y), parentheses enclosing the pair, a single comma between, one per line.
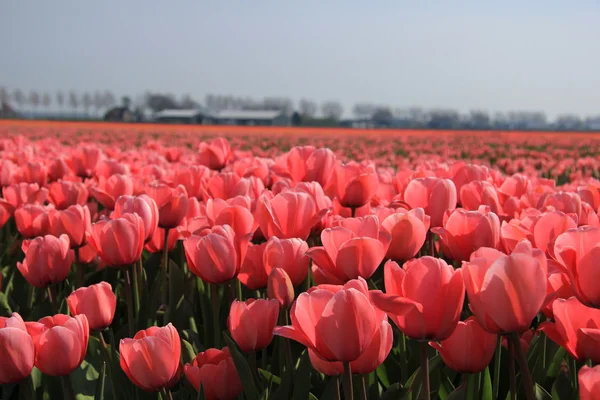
(459,394)
(556,362)
(332,389)
(100,384)
(187,352)
(243,369)
(382,376)
(302,378)
(395,391)
(486,389)
(562,389)
(541,393)
(269,376)
(5,308)
(84,381)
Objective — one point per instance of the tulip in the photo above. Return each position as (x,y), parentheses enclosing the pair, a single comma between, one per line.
(66,193)
(108,190)
(60,343)
(354,184)
(151,359)
(280,287)
(408,231)
(424,298)
(576,328)
(172,203)
(549,226)
(33,220)
(48,260)
(252,322)
(506,291)
(120,241)
(215,371)
(156,244)
(252,272)
(216,255)
(469,349)
(17,350)
(5,213)
(480,193)
(577,250)
(141,205)
(434,195)
(321,317)
(97,302)
(19,194)
(74,222)
(589,382)
(463,232)
(215,154)
(288,254)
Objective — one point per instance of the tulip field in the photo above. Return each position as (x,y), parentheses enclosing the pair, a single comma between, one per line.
(142,261)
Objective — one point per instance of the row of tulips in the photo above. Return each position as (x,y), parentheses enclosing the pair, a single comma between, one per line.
(278,278)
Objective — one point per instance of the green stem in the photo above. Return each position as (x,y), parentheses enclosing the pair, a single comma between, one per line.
(403,357)
(166,394)
(108,358)
(497,359)
(214,298)
(511,370)
(363,388)
(204,300)
(338,395)
(523,367)
(347,382)
(136,289)
(254,368)
(166,287)
(129,301)
(352,212)
(472,386)
(238,289)
(52,297)
(425,390)
(286,343)
(575,378)
(68,385)
(79,276)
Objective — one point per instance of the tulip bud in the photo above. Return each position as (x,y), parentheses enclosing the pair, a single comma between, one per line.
(17,351)
(48,260)
(252,322)
(97,302)
(280,287)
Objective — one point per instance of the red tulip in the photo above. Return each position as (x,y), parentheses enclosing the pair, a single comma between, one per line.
(60,343)
(280,287)
(120,241)
(252,322)
(19,194)
(215,154)
(354,184)
(321,317)
(408,230)
(157,242)
(215,371)
(48,260)
(141,205)
(151,359)
(216,255)
(589,382)
(548,226)
(33,220)
(288,254)
(172,203)
(506,292)
(469,349)
(192,177)
(59,169)
(74,222)
(424,298)
(576,328)
(108,190)
(5,213)
(466,231)
(434,195)
(97,302)
(66,193)
(252,272)
(17,351)
(480,193)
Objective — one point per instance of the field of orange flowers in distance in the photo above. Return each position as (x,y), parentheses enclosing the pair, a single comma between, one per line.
(142,261)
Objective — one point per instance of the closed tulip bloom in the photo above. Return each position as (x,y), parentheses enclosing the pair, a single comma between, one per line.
(19,194)
(119,242)
(66,193)
(424,298)
(408,230)
(288,254)
(576,328)
(506,291)
(463,232)
(320,167)
(355,184)
(253,273)
(434,195)
(5,213)
(151,359)
(549,226)
(143,206)
(354,249)
(480,193)
(215,154)
(74,222)
(252,322)
(17,351)
(567,202)
(60,343)
(108,190)
(33,220)
(172,203)
(469,349)
(97,302)
(48,260)
(578,250)
(288,215)
(215,371)
(321,317)
(589,382)
(280,287)
(156,243)
(216,255)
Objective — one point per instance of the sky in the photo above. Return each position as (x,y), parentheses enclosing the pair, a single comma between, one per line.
(492,55)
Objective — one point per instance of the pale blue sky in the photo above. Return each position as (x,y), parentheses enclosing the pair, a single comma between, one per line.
(499,56)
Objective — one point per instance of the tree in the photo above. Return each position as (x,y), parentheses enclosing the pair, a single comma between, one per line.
(73,101)
(308,108)
(158,102)
(86,101)
(364,110)
(109,99)
(382,116)
(568,123)
(34,99)
(3,95)
(332,109)
(46,101)
(60,100)
(98,102)
(443,119)
(296,119)
(187,102)
(19,98)
(479,120)
(125,101)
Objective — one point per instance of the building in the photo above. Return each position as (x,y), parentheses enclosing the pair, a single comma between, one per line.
(188,116)
(6,111)
(249,117)
(119,114)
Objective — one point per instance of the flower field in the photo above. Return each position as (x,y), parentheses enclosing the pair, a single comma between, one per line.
(211,262)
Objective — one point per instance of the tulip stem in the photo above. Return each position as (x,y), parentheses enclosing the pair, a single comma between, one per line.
(425,372)
(129,301)
(52,297)
(511,370)
(363,387)
(254,367)
(214,299)
(108,357)
(166,394)
(347,382)
(497,359)
(165,270)
(525,374)
(403,357)
(68,387)
(79,277)
(431,244)
(338,395)
(238,288)
(352,212)
(136,289)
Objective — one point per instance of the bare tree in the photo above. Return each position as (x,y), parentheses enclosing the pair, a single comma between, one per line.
(364,110)
(98,102)
(86,101)
(332,109)
(46,101)
(73,101)
(34,99)
(308,108)
(19,98)
(60,100)
(109,99)
(3,95)
(187,102)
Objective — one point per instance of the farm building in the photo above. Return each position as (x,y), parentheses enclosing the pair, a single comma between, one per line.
(189,116)
(249,117)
